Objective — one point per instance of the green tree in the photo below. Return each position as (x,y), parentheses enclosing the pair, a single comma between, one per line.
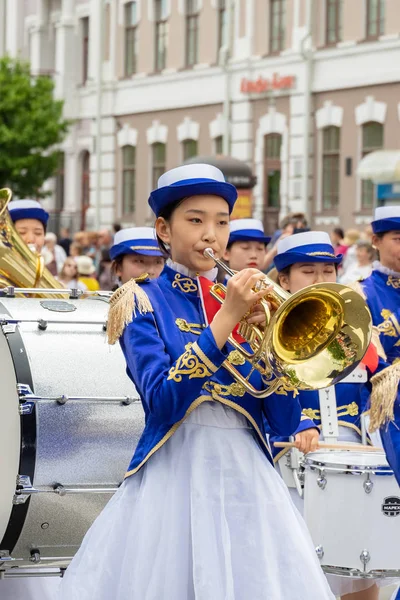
(31,126)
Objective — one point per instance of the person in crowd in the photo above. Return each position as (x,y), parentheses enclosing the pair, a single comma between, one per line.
(202,513)
(69,275)
(247,245)
(86,273)
(65,240)
(75,250)
(54,254)
(361,269)
(116,227)
(30,220)
(337,236)
(349,250)
(302,260)
(135,251)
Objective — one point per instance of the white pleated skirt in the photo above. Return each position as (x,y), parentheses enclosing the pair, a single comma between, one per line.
(207,518)
(29,588)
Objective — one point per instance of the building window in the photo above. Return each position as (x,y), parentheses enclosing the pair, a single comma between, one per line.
(85,186)
(158,162)
(272,170)
(128,179)
(334,21)
(330,167)
(222,24)
(131,36)
(372,139)
(85,49)
(219,144)
(161,35)
(192,29)
(277,28)
(375,18)
(189,149)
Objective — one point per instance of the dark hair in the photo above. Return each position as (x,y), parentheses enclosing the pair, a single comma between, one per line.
(339,232)
(166,214)
(116,264)
(117,227)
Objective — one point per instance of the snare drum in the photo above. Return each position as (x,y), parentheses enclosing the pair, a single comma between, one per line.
(70,419)
(352,509)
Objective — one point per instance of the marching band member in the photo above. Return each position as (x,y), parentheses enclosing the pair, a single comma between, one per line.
(135,252)
(202,514)
(382,294)
(247,244)
(30,221)
(307,259)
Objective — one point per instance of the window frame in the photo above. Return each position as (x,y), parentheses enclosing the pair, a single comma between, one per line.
(367,186)
(219,145)
(128,171)
(158,167)
(271,162)
(379,22)
(160,35)
(187,146)
(130,40)
(191,28)
(85,21)
(330,157)
(280,38)
(338,27)
(85,186)
(222,23)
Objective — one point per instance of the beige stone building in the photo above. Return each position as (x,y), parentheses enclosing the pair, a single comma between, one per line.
(299,89)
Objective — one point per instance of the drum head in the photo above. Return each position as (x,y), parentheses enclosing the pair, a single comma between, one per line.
(10,434)
(340,458)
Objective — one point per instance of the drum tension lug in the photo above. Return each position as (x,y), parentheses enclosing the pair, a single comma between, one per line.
(365,557)
(368,485)
(320,552)
(42,324)
(321,480)
(35,556)
(62,399)
(59,489)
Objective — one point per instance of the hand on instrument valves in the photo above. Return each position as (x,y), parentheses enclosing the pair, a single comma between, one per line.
(307,441)
(242,299)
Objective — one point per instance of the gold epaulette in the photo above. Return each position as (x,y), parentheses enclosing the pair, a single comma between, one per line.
(385,385)
(124,303)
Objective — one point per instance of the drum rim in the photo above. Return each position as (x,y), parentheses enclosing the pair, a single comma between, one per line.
(381,464)
(27,461)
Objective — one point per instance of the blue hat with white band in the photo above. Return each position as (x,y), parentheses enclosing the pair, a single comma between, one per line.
(247,230)
(136,240)
(307,247)
(387,218)
(191,180)
(27,209)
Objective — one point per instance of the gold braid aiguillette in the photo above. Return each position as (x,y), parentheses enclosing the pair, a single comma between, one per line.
(124,303)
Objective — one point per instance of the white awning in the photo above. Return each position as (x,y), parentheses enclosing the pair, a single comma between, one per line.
(382,166)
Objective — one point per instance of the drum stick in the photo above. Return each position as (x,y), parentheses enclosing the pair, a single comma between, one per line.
(325,446)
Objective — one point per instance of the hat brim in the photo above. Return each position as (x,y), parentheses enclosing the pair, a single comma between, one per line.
(237,237)
(116,252)
(161,198)
(86,271)
(287,259)
(39,214)
(386,225)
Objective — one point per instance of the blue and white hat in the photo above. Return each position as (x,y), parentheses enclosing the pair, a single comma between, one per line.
(191,180)
(310,246)
(136,240)
(27,209)
(247,230)
(387,218)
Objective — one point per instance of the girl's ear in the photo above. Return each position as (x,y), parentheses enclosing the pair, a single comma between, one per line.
(163,230)
(283,281)
(226,255)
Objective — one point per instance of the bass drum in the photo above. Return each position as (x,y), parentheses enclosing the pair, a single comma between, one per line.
(70,419)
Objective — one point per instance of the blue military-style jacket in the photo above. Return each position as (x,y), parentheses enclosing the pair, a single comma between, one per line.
(175,364)
(382,293)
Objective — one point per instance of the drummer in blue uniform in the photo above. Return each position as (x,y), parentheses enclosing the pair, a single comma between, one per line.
(136,251)
(382,293)
(307,259)
(246,245)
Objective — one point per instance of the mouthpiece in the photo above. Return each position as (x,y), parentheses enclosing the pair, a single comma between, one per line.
(208,253)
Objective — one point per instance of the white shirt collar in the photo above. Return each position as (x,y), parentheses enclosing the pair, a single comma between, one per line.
(211,274)
(378,267)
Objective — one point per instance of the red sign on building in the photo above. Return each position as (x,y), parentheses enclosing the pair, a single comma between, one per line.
(261,84)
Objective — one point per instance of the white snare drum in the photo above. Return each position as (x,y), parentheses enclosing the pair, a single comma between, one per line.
(69,422)
(352,509)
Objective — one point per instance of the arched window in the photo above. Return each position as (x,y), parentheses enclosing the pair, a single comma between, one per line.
(189,149)
(128,179)
(330,167)
(85,186)
(372,139)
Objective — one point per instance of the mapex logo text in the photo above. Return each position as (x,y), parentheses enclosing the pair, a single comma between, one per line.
(391,506)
